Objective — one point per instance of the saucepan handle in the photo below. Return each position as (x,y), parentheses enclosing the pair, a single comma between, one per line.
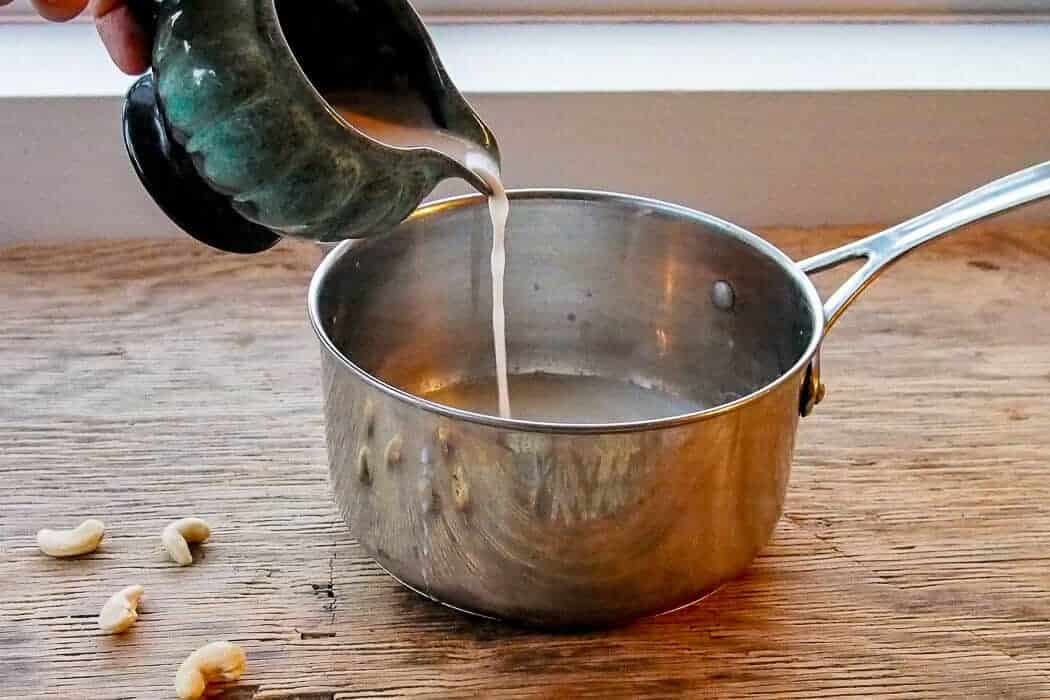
(883,249)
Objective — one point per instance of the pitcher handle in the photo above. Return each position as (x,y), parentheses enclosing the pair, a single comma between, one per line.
(881,250)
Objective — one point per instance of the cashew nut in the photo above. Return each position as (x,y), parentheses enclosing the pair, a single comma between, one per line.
(71,543)
(121,611)
(213,663)
(177,536)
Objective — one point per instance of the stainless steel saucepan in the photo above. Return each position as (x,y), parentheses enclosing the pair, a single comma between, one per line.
(560,524)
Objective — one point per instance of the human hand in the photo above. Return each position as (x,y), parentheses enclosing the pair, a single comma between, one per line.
(126,40)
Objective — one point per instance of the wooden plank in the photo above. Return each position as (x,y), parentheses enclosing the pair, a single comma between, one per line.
(141,381)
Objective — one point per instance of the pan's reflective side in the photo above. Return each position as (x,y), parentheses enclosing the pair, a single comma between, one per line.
(564,524)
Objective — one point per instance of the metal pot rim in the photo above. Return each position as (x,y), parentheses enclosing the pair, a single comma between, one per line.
(756,242)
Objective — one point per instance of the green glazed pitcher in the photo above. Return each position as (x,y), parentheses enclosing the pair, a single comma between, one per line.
(233,137)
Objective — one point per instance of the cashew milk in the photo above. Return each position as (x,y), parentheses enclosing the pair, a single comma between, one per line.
(406,123)
(560,398)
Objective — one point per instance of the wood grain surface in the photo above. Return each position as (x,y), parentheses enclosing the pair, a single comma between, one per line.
(143,381)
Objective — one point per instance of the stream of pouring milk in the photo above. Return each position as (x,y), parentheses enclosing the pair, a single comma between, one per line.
(407,123)
(499,210)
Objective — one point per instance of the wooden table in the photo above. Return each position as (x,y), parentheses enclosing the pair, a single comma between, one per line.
(142,381)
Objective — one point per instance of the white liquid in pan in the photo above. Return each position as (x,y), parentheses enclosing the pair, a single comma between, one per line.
(407,123)
(561,398)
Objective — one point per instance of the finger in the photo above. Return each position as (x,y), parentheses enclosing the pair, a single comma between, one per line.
(59,10)
(126,40)
(5,2)
(100,8)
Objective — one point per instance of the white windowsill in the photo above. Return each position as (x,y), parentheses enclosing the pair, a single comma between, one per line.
(66,60)
(764,124)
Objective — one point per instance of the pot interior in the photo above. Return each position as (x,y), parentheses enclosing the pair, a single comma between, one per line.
(600,285)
